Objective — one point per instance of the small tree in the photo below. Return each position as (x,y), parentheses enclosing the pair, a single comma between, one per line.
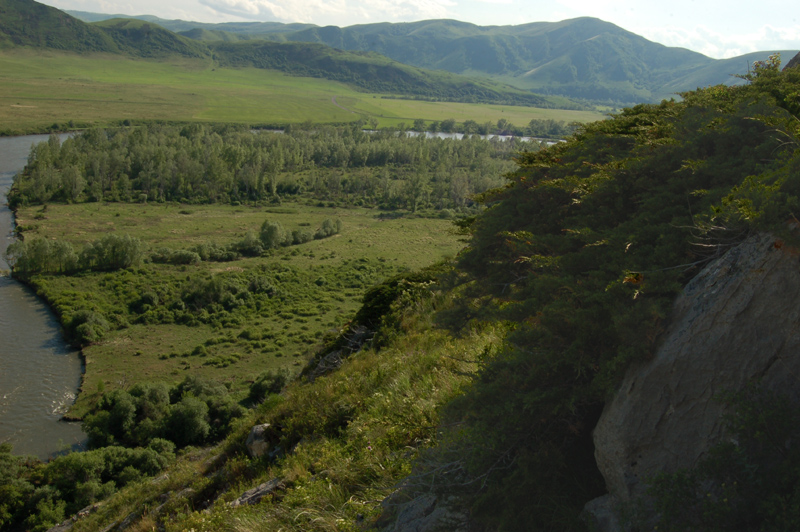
(272,235)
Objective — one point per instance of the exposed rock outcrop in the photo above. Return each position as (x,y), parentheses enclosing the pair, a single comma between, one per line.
(255,495)
(425,513)
(737,322)
(258,441)
(793,62)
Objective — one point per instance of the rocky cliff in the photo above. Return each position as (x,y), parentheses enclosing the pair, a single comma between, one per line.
(793,62)
(737,322)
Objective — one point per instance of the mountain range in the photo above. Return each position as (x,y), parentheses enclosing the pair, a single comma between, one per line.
(537,64)
(579,58)
(28,24)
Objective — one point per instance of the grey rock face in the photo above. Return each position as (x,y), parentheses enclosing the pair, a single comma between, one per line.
(257,441)
(793,62)
(427,513)
(259,492)
(738,321)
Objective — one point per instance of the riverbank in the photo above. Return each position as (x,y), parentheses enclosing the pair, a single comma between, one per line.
(39,373)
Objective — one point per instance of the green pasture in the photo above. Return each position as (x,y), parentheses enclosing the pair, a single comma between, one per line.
(321,284)
(41,88)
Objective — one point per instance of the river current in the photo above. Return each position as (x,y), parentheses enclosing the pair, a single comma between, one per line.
(39,372)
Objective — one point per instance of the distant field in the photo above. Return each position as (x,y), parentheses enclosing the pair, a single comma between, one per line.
(38,89)
(320,285)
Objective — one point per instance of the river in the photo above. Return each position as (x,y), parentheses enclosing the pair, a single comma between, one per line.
(39,372)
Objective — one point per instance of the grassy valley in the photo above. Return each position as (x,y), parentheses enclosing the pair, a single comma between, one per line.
(42,88)
(143,63)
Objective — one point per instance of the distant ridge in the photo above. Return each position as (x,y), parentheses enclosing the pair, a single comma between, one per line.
(26,23)
(579,58)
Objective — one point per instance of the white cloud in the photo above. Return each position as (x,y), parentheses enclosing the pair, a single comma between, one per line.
(719,46)
(324,12)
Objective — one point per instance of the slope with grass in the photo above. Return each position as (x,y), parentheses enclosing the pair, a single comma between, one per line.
(52,90)
(30,24)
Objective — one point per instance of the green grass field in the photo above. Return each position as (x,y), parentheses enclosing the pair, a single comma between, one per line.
(40,88)
(321,284)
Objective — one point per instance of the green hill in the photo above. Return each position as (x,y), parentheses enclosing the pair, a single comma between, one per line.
(28,23)
(369,71)
(583,57)
(145,39)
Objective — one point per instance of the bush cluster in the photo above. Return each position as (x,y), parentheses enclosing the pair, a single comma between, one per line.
(39,255)
(34,495)
(192,413)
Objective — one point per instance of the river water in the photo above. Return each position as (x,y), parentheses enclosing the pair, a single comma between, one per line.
(39,372)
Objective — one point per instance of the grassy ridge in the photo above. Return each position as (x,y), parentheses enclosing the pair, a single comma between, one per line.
(38,88)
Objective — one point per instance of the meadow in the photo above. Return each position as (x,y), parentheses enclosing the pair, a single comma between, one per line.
(319,286)
(41,90)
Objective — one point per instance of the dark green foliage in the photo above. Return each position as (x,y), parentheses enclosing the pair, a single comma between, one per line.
(378,301)
(176,256)
(86,326)
(582,255)
(112,252)
(751,481)
(200,164)
(192,413)
(268,382)
(329,228)
(378,319)
(38,255)
(15,488)
(71,482)
(273,235)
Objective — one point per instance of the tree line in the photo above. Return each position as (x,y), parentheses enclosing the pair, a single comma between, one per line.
(212,164)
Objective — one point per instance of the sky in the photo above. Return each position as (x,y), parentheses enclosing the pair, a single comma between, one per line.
(718,29)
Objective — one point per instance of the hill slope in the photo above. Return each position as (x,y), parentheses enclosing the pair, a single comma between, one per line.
(28,23)
(369,71)
(583,57)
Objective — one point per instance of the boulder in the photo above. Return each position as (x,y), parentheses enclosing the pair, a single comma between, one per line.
(258,440)
(736,322)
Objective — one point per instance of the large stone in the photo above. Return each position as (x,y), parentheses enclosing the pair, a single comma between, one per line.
(737,322)
(258,443)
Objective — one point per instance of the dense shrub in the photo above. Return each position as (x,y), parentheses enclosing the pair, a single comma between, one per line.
(86,326)
(268,382)
(193,412)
